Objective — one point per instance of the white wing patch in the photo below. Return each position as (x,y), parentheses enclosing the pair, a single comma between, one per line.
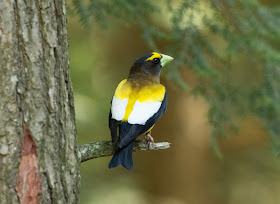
(142,112)
(118,108)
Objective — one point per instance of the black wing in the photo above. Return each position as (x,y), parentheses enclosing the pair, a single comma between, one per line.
(137,130)
(113,125)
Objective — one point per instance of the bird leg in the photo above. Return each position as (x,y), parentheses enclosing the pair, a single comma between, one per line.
(149,139)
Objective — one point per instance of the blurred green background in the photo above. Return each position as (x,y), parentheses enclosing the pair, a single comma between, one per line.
(190,171)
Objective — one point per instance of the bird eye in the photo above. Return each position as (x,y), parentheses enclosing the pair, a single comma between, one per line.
(156,60)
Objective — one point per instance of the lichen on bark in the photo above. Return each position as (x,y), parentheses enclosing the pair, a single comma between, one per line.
(106,148)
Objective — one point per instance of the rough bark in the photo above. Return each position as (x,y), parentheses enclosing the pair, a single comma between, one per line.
(38,159)
(106,148)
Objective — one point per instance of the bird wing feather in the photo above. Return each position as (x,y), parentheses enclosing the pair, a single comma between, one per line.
(113,125)
(137,129)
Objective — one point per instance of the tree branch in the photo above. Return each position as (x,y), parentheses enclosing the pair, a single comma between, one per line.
(105,148)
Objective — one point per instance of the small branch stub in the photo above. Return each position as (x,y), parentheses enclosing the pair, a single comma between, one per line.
(106,148)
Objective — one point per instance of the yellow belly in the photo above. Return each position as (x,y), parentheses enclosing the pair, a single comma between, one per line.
(149,129)
(144,94)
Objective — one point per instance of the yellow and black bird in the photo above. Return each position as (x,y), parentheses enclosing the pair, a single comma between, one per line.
(139,101)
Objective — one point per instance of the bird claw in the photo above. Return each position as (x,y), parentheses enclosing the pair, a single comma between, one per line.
(149,139)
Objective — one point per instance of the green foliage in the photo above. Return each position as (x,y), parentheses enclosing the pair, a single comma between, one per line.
(239,76)
(100,11)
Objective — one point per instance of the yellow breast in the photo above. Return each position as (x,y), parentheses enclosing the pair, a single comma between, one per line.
(143,93)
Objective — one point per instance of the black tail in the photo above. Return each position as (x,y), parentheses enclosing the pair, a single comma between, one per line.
(123,156)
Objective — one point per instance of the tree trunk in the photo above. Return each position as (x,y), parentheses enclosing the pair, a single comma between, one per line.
(38,149)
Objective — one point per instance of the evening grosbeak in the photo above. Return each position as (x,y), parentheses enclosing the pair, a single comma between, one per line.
(139,101)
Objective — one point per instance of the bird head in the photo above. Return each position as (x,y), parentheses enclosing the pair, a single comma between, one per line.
(150,64)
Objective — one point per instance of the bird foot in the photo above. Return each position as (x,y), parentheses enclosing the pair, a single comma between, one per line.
(149,139)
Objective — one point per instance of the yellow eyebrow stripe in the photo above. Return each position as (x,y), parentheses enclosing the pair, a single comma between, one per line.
(155,55)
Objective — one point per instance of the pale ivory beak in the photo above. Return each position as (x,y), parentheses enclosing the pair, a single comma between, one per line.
(165,60)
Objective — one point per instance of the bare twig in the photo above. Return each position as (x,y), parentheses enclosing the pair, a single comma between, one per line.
(105,148)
